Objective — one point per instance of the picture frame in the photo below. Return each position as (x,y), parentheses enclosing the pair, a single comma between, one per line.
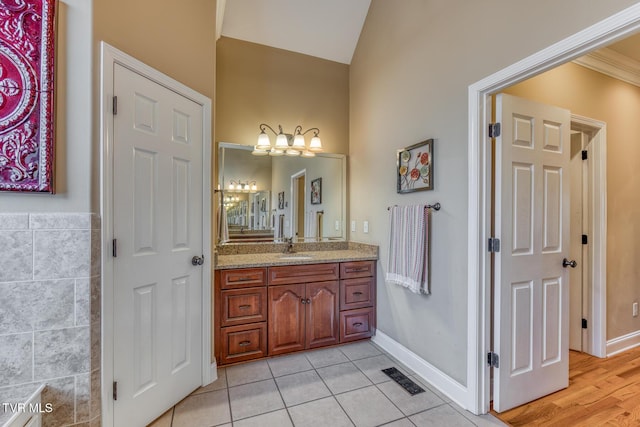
(316,191)
(414,171)
(281,200)
(27,118)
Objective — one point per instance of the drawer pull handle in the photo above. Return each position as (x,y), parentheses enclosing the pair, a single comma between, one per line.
(242,279)
(357,324)
(357,293)
(244,306)
(244,343)
(358,270)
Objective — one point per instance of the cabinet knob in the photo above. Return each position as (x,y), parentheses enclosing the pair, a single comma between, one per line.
(303,301)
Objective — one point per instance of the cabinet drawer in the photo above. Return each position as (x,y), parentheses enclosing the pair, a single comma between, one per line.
(356,324)
(284,275)
(356,293)
(243,342)
(247,305)
(355,269)
(243,278)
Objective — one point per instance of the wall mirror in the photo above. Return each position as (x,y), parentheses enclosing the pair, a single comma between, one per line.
(270,198)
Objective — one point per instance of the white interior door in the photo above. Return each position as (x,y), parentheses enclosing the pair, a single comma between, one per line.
(578,300)
(158,224)
(531,323)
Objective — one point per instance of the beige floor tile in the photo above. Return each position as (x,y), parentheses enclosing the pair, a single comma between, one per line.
(203,410)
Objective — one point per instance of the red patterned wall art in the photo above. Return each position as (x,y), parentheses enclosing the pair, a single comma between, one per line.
(27,37)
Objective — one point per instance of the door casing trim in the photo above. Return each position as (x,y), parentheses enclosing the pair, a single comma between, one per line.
(109,56)
(598,35)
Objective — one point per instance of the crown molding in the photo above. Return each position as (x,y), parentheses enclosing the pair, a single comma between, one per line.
(612,64)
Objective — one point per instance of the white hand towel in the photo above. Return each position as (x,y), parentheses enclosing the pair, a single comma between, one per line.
(408,248)
(223,227)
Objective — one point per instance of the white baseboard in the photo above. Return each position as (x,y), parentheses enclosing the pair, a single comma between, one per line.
(441,381)
(625,342)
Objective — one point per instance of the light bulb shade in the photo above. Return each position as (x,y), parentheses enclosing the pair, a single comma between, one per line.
(263,141)
(298,142)
(315,144)
(231,186)
(281,141)
(239,187)
(259,152)
(246,187)
(254,187)
(291,152)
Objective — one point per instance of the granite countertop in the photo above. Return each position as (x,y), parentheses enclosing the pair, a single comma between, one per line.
(268,259)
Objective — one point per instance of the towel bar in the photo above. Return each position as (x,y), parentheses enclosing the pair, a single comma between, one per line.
(435,206)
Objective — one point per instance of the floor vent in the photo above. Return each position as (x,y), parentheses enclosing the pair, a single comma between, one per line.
(411,387)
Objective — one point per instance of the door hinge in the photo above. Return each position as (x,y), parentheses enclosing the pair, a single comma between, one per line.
(114,248)
(115,390)
(585,155)
(115,105)
(585,239)
(584,323)
(494,130)
(494,245)
(493,360)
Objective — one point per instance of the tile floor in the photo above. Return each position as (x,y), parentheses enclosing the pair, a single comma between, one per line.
(334,387)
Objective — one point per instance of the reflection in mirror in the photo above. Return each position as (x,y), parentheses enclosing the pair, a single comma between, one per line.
(271,198)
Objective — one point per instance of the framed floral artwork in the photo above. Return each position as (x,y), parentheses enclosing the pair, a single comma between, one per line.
(415,167)
(27,36)
(316,191)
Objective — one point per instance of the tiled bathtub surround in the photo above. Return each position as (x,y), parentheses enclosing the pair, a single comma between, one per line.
(50,313)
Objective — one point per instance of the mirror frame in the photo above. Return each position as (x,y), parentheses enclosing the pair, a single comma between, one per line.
(343,183)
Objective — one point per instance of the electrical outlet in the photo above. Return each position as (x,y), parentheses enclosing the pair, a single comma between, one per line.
(365,226)
(635,309)
(353,226)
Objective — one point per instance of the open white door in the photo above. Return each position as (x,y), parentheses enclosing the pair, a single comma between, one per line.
(531,322)
(158,224)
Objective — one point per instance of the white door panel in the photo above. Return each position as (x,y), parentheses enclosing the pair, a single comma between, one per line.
(532,208)
(158,146)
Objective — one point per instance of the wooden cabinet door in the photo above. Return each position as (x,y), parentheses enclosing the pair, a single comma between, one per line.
(286,318)
(322,319)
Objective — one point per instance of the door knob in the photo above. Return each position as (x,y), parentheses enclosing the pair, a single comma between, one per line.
(197,260)
(566,263)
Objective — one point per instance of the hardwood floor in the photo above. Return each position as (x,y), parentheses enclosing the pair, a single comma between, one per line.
(601,392)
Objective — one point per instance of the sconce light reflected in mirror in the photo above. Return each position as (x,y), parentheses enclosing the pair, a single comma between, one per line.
(242,186)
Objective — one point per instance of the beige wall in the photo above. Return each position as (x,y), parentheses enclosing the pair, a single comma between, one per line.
(408,82)
(259,84)
(591,94)
(175,38)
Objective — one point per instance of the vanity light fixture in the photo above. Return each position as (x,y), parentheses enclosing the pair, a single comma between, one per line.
(242,186)
(286,143)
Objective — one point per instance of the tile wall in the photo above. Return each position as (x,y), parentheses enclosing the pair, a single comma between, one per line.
(50,313)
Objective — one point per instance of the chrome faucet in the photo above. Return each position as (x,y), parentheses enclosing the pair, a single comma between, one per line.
(289,248)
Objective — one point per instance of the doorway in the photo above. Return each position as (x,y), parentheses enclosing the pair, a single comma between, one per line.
(298,197)
(613,28)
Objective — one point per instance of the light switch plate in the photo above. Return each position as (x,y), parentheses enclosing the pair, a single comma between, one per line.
(337,225)
(353,226)
(365,226)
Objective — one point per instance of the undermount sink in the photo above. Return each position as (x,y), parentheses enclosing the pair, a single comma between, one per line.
(294,257)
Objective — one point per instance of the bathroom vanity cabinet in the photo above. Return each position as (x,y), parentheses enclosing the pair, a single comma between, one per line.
(266,311)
